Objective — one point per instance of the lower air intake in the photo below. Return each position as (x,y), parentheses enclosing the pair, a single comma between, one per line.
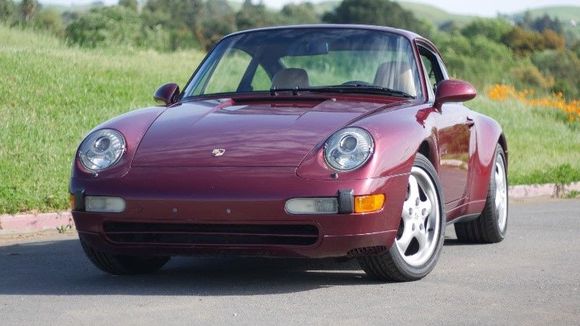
(210,234)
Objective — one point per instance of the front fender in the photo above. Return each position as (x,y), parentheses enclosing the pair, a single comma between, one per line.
(398,135)
(133,125)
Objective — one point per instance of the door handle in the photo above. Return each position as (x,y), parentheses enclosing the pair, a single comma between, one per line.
(469,122)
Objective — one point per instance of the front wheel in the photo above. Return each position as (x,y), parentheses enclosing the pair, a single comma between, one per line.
(121,264)
(421,231)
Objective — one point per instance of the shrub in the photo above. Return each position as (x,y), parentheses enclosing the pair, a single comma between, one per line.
(114,26)
(564,66)
(479,59)
(493,29)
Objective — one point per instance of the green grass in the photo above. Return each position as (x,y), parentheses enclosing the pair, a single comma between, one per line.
(540,143)
(52,95)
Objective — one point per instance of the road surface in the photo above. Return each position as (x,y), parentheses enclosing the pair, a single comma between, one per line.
(532,278)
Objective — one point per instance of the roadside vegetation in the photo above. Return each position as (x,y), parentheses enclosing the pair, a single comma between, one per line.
(66,71)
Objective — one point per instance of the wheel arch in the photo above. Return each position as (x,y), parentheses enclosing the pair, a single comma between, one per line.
(428,148)
(488,135)
(503,143)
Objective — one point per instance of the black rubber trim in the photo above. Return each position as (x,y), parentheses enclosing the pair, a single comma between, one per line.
(346,201)
(79,200)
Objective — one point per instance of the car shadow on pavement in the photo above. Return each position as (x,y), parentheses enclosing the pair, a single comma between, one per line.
(60,268)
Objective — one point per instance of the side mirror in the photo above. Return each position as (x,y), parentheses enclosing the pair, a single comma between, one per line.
(452,90)
(167,94)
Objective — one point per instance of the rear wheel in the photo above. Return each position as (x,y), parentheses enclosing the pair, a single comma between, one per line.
(123,265)
(421,231)
(491,225)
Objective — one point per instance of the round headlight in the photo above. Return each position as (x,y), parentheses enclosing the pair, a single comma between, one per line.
(102,149)
(348,149)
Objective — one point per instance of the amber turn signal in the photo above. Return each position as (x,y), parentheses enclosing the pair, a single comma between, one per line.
(368,203)
(72,202)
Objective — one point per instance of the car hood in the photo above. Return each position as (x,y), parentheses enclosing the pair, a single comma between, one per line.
(256,132)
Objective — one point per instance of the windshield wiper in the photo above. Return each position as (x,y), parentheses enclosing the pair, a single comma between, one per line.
(373,89)
(357,88)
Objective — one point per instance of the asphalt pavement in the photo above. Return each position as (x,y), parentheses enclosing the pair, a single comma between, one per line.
(531,278)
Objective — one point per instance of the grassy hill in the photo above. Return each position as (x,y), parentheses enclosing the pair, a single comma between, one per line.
(51,95)
(435,15)
(563,13)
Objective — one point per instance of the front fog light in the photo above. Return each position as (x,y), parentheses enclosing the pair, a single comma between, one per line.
(102,204)
(312,206)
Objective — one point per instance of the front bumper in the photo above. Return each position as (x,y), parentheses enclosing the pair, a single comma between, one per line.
(187,211)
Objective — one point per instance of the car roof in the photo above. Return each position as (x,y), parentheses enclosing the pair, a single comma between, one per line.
(408,34)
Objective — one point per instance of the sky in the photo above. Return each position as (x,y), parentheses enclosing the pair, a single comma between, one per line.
(469,7)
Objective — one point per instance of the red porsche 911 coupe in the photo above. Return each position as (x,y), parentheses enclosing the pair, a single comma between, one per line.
(301,141)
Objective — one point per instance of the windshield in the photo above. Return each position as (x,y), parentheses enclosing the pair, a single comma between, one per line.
(314,59)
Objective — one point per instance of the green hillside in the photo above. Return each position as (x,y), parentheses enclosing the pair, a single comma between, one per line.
(51,95)
(430,13)
(563,13)
(434,14)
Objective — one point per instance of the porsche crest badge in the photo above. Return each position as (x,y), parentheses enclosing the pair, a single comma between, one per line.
(218,152)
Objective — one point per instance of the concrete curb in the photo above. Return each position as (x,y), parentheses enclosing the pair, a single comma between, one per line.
(26,223)
(549,189)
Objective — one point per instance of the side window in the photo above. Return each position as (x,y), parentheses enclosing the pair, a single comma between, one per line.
(432,68)
(229,72)
(261,81)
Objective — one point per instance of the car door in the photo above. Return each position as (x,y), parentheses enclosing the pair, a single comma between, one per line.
(453,134)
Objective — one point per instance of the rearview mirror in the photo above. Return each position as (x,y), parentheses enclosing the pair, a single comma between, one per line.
(452,90)
(167,94)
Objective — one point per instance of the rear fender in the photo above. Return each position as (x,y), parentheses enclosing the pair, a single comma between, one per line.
(488,135)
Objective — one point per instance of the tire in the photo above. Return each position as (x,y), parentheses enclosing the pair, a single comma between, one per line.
(491,225)
(421,232)
(123,265)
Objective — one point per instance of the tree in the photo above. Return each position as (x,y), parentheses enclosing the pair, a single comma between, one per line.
(540,24)
(216,20)
(129,4)
(523,41)
(303,13)
(560,64)
(179,18)
(449,26)
(376,12)
(106,26)
(493,29)
(251,16)
(49,20)
(28,9)
(553,40)
(6,10)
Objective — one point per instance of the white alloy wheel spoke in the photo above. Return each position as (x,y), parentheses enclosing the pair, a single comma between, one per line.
(413,189)
(425,209)
(407,211)
(406,238)
(422,239)
(501,195)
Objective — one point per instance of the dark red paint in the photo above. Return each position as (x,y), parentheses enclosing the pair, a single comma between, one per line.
(453,91)
(274,153)
(167,94)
